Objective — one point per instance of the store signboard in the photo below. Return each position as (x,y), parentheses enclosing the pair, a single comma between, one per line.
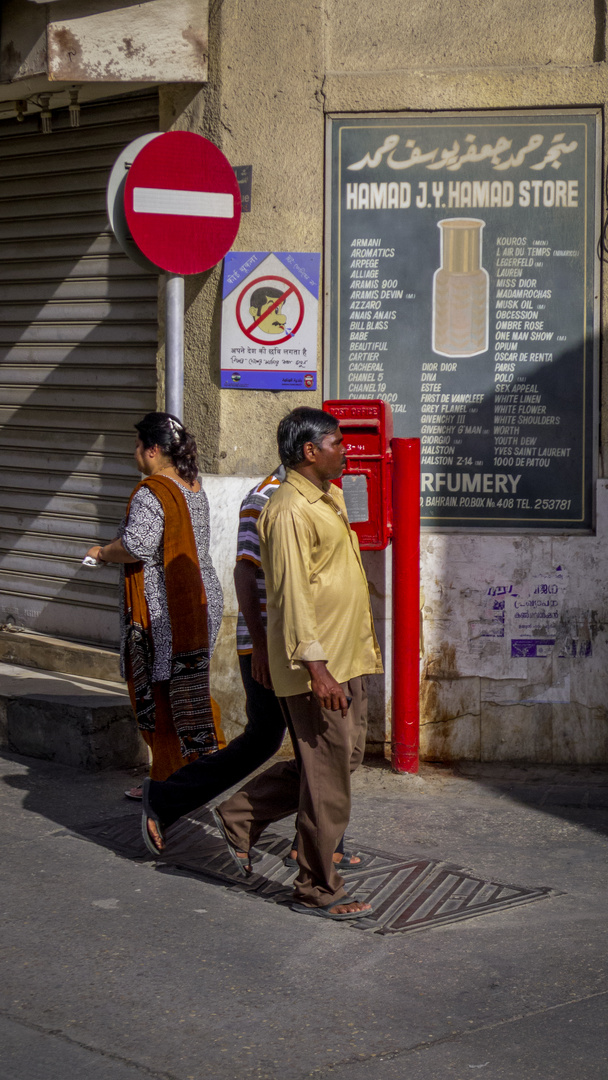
(464,289)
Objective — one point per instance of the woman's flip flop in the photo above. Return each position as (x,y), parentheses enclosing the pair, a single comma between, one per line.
(148,814)
(133,793)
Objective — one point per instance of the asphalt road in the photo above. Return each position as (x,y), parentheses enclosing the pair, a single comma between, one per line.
(116,970)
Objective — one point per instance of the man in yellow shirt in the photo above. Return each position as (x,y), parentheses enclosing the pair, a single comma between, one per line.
(321,642)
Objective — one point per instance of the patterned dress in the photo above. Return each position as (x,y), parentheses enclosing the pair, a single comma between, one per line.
(142,536)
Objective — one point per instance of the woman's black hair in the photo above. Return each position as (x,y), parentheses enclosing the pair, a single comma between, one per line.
(167,432)
(299,427)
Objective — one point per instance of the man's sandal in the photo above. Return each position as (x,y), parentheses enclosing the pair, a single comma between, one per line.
(343,867)
(241,862)
(148,814)
(326,912)
(345,864)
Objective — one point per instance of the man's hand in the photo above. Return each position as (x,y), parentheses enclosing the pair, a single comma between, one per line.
(327,691)
(260,668)
(248,596)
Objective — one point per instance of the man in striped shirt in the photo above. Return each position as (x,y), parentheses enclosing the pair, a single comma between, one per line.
(250,584)
(265,720)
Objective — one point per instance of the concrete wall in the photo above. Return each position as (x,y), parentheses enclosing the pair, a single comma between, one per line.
(274,72)
(458,34)
(481,703)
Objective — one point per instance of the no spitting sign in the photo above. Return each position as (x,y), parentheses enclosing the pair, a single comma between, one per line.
(272,306)
(269,320)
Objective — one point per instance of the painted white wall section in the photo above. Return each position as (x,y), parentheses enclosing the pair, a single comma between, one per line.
(515,646)
(225,494)
(159,41)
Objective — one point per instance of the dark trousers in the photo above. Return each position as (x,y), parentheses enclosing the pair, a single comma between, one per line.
(208,776)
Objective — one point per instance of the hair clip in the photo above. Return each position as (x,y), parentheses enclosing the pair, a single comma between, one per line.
(174,425)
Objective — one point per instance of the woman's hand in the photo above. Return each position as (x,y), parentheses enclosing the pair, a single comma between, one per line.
(93,553)
(114,552)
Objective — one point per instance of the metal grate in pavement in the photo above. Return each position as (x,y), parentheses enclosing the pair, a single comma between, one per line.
(407,894)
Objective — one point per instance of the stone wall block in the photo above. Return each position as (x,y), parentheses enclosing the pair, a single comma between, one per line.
(82,735)
(580,734)
(459,35)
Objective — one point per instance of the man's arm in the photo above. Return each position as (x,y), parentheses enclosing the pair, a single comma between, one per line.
(246,585)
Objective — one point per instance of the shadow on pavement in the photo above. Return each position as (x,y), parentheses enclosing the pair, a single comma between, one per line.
(407,892)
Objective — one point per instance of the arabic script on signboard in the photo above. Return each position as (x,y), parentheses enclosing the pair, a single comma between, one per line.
(452,159)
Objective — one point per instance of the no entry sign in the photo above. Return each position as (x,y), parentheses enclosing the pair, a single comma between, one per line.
(182,202)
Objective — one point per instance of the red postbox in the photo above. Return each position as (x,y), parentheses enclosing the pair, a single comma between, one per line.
(367,427)
(371,491)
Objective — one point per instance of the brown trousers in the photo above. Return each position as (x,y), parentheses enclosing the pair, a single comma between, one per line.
(328,748)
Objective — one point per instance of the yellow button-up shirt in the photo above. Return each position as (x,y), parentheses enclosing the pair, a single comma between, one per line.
(318,598)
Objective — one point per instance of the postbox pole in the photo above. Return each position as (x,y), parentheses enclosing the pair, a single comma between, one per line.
(174,345)
(406,605)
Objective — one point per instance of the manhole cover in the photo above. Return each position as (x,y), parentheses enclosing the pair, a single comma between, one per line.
(406,893)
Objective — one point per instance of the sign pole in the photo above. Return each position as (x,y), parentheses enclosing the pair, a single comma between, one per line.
(174,345)
(182,209)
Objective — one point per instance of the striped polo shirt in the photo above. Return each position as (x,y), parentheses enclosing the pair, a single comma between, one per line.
(248,547)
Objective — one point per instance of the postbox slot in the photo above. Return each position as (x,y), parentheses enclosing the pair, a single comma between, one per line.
(359,423)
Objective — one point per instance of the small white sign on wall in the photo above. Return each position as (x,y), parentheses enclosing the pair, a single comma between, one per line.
(270,320)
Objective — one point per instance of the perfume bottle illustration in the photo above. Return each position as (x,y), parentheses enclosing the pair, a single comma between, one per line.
(460,290)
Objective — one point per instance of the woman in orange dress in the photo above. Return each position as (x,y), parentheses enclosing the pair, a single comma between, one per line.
(172,600)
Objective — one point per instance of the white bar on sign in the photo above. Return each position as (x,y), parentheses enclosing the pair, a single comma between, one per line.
(148,200)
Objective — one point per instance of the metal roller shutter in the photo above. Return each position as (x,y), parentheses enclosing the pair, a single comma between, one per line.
(78,338)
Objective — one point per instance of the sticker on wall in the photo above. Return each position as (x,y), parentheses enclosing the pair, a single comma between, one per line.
(270,306)
(536,612)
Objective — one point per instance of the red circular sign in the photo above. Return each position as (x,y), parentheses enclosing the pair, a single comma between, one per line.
(182,202)
(271,339)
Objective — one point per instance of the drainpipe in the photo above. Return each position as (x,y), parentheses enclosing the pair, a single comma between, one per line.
(406,605)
